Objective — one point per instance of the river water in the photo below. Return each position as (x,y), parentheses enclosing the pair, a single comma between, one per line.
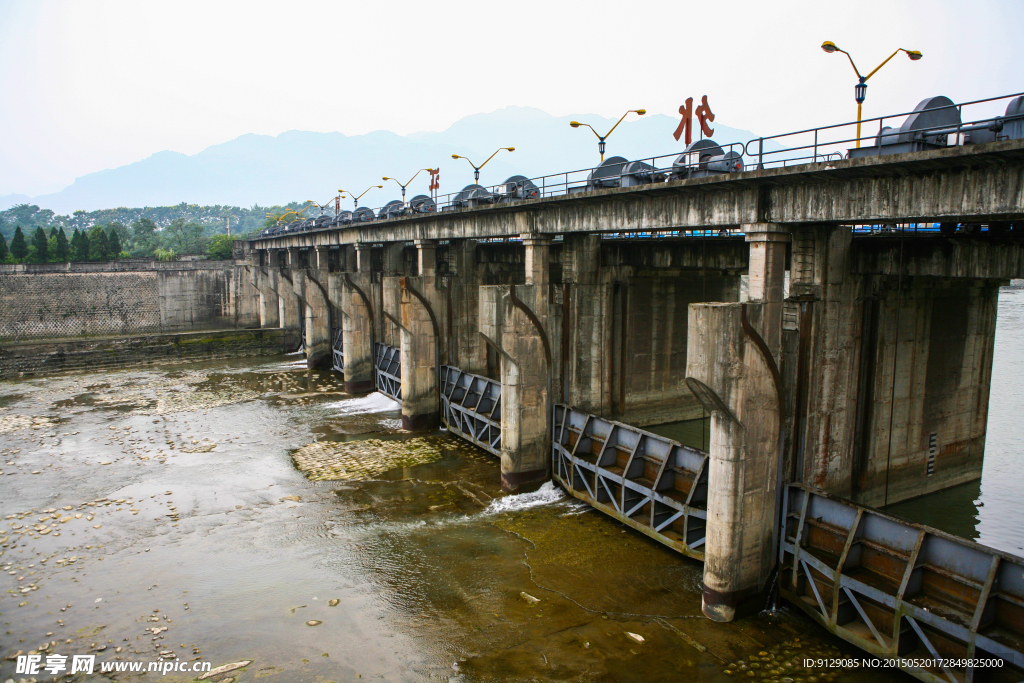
(172,498)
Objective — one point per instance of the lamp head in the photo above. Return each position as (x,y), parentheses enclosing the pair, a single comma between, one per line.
(511,149)
(829,46)
(574,124)
(456,156)
(380,186)
(914,54)
(385,178)
(641,112)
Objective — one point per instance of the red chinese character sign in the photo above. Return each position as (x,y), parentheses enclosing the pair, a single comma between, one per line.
(704,114)
(435,179)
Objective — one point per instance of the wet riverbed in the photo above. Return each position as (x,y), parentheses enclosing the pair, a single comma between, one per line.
(169,498)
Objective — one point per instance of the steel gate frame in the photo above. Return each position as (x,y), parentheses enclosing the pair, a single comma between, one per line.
(851,568)
(660,489)
(387,370)
(337,352)
(471,407)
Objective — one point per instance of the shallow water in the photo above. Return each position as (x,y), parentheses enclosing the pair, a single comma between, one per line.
(221,539)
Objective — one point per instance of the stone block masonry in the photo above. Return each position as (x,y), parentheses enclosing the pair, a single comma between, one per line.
(26,359)
(42,302)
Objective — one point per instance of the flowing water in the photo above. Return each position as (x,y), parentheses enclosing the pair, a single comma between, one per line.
(169,498)
(256,512)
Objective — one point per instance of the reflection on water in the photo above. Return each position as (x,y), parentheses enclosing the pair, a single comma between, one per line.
(990,511)
(692,433)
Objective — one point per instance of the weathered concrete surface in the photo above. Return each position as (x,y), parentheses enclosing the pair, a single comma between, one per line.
(420,346)
(512,320)
(357,333)
(317,325)
(732,372)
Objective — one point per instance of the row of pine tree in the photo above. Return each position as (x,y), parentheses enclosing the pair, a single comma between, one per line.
(96,244)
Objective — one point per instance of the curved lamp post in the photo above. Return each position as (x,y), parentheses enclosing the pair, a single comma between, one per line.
(321,206)
(355,199)
(476,169)
(602,138)
(428,170)
(860,91)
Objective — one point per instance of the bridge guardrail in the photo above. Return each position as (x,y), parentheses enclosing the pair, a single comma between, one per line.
(812,145)
(471,407)
(932,602)
(654,484)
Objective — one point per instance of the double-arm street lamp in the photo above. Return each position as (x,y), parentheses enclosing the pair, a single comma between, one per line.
(476,169)
(428,170)
(322,206)
(860,91)
(355,199)
(602,138)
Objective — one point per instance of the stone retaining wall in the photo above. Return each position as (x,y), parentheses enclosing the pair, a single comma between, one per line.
(47,357)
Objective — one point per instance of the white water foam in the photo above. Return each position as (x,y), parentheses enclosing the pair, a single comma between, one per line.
(373,403)
(545,495)
(294,364)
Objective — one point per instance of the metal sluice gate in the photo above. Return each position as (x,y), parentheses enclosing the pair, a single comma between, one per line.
(387,371)
(902,590)
(654,484)
(471,407)
(337,352)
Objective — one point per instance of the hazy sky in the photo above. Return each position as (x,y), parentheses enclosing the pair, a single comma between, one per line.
(93,84)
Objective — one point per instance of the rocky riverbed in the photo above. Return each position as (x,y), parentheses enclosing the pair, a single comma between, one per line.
(251,515)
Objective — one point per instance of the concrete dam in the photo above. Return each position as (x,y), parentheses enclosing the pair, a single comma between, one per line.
(835,321)
(842,350)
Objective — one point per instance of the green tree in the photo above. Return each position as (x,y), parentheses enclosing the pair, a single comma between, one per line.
(41,245)
(19,247)
(82,250)
(124,235)
(99,247)
(184,237)
(114,242)
(220,246)
(3,248)
(62,252)
(53,231)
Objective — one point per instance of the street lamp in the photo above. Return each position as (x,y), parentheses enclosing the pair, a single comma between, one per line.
(860,91)
(476,169)
(428,170)
(602,138)
(355,199)
(321,206)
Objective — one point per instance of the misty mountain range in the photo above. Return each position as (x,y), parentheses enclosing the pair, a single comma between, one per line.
(300,165)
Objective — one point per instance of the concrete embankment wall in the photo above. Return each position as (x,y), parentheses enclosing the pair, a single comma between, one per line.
(55,301)
(44,357)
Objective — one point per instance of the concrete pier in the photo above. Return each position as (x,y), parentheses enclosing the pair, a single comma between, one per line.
(732,372)
(868,378)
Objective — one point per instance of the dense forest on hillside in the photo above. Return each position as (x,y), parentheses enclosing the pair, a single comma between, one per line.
(29,234)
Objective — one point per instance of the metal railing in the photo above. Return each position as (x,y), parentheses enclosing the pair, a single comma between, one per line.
(337,351)
(926,599)
(813,145)
(471,407)
(655,485)
(387,370)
